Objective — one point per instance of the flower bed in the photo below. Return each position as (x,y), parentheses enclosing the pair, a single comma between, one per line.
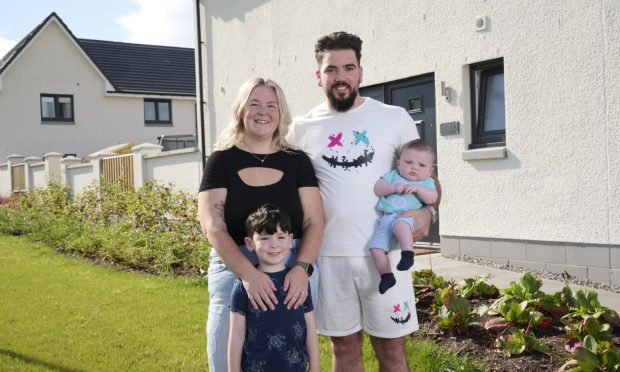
(519,327)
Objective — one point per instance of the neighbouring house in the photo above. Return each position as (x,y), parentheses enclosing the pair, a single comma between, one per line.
(520,99)
(59,93)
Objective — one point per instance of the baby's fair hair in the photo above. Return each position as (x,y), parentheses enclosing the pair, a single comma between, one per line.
(419,145)
(266,219)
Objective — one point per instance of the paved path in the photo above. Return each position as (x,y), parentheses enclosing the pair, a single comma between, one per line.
(458,270)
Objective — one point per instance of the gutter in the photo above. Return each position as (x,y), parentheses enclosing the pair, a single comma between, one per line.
(201,101)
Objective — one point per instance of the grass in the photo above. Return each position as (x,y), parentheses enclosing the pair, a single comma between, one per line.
(66,314)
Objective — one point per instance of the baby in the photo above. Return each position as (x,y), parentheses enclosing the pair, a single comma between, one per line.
(405,188)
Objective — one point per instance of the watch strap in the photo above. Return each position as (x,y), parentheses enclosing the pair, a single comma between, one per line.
(308,268)
(433,213)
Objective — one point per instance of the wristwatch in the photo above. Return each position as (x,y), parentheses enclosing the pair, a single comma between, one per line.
(308,268)
(433,213)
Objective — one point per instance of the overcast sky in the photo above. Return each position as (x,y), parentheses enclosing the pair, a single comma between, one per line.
(161,22)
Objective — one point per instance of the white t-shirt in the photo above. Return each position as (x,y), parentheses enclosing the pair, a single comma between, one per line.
(350,151)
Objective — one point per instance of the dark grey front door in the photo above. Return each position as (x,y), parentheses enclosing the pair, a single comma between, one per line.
(417,96)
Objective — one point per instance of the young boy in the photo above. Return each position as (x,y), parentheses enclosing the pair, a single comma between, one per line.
(405,188)
(272,340)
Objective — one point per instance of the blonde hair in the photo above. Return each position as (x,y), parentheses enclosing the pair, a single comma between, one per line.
(233,134)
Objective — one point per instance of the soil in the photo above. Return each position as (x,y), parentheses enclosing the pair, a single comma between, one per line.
(479,344)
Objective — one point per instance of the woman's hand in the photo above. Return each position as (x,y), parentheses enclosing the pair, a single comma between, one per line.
(260,289)
(296,284)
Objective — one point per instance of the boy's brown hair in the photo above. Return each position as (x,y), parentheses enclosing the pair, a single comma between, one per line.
(266,219)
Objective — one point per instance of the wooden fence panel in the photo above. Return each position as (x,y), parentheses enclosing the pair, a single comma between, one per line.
(18,177)
(118,170)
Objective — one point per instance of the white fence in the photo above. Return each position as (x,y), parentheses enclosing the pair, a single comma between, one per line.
(181,168)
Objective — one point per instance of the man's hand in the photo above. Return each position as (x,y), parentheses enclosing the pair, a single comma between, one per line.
(260,290)
(422,218)
(296,284)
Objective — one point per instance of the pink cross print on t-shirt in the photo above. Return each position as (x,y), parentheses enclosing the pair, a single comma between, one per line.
(334,140)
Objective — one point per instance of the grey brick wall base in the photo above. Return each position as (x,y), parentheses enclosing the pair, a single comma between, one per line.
(598,262)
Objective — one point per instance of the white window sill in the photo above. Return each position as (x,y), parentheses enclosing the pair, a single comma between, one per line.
(486,153)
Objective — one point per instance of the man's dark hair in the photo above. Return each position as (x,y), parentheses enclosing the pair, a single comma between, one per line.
(266,219)
(338,41)
(419,145)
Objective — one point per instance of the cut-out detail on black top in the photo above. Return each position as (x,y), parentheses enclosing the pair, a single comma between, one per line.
(222,170)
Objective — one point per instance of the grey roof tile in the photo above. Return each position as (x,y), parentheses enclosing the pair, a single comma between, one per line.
(139,68)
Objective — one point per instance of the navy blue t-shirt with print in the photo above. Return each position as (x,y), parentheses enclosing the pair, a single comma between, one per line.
(275,340)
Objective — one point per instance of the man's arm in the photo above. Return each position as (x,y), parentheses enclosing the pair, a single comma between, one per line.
(438,188)
(296,281)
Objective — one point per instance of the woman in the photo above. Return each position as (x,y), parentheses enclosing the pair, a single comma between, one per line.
(254,165)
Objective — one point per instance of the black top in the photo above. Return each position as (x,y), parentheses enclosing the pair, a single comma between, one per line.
(222,170)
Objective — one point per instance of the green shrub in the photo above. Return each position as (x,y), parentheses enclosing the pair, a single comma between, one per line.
(152,229)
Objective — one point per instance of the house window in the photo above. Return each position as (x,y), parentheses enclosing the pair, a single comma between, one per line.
(56,107)
(488,104)
(157,111)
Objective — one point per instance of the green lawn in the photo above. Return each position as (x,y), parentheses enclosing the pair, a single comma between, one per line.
(65,314)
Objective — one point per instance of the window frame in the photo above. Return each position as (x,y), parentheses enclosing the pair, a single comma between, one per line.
(56,118)
(480,137)
(157,102)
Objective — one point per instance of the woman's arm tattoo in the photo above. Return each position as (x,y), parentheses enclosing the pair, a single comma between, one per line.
(307,221)
(219,207)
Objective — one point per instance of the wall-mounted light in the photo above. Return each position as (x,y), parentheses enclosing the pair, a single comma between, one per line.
(445,91)
(482,23)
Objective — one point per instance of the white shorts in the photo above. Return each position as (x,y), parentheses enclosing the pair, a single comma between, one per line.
(349,299)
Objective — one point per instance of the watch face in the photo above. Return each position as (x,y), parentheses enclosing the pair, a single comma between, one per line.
(308,268)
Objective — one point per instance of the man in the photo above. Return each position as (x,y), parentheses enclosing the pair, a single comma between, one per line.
(352,142)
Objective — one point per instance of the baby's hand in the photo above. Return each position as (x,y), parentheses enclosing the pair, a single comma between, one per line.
(398,188)
(409,189)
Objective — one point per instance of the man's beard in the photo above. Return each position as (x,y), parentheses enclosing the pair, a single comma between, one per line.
(344,104)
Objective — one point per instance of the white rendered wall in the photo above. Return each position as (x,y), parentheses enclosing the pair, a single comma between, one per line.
(5,181)
(38,176)
(53,64)
(611,30)
(561,179)
(80,177)
(181,168)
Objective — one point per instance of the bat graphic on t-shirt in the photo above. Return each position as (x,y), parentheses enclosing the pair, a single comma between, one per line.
(399,320)
(346,163)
